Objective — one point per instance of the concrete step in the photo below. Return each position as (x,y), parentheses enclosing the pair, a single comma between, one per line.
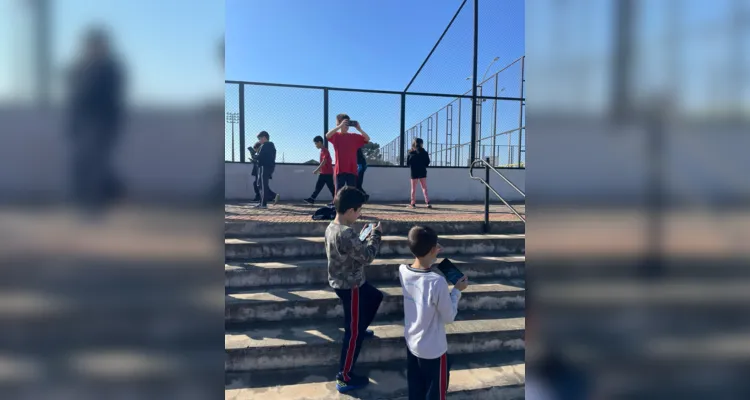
(290,247)
(321,301)
(315,271)
(314,344)
(495,376)
(234,228)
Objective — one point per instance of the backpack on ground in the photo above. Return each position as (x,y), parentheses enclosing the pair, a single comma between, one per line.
(324,213)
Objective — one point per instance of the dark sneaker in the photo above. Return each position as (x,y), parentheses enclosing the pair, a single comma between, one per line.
(260,206)
(429,205)
(355,382)
(309,200)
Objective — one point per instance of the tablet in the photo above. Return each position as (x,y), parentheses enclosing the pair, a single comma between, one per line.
(452,274)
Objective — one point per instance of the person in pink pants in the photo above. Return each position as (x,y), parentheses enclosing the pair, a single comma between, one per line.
(418,160)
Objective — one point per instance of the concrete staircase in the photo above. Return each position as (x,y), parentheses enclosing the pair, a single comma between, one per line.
(284,323)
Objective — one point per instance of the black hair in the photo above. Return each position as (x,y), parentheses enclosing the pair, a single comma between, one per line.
(348,197)
(318,139)
(422,239)
(417,143)
(263,134)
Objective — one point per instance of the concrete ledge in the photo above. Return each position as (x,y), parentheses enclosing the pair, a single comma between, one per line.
(289,247)
(283,304)
(315,271)
(237,229)
(314,345)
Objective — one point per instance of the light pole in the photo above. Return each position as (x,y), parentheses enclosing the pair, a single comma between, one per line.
(233,118)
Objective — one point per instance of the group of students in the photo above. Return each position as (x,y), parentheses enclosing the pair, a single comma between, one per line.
(351,163)
(429,303)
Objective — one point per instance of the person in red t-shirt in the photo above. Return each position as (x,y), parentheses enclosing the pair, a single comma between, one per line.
(345,146)
(324,171)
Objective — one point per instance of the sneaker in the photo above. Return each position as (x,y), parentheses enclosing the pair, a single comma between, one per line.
(276,199)
(429,205)
(309,200)
(259,206)
(355,382)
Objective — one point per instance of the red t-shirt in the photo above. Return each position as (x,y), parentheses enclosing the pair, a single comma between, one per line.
(345,145)
(326,169)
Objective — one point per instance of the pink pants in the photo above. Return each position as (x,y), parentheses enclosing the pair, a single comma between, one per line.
(423,183)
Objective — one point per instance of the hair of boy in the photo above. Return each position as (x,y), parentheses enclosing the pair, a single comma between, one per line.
(263,134)
(417,143)
(348,197)
(422,239)
(318,139)
(341,117)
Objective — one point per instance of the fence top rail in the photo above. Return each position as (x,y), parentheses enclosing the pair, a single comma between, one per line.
(339,89)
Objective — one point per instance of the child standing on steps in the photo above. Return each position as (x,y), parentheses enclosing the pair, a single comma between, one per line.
(428,306)
(347,257)
(418,160)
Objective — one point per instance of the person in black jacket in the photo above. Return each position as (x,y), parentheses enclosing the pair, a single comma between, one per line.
(361,168)
(266,164)
(418,160)
(253,154)
(96,109)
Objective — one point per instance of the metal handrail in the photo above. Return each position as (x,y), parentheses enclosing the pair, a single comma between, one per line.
(488,167)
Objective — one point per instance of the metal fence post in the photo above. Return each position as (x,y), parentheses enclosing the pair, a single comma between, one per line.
(402,132)
(487,196)
(242,124)
(325,117)
(473,146)
(520,113)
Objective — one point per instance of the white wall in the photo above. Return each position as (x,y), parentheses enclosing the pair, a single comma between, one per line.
(163,154)
(296,182)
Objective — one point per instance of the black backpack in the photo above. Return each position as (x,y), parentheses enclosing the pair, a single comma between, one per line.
(324,213)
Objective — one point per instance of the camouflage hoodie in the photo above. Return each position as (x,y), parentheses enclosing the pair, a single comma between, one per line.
(347,255)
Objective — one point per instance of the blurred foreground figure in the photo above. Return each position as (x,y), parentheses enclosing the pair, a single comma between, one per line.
(95,118)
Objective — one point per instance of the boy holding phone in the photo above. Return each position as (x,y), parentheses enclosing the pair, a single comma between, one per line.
(428,306)
(347,256)
(345,146)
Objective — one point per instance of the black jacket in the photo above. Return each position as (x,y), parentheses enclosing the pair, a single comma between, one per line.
(267,157)
(361,160)
(418,160)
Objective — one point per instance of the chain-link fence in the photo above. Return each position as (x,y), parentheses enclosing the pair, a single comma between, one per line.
(293,115)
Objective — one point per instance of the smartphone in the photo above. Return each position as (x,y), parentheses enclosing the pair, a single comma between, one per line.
(451,272)
(353,123)
(366,232)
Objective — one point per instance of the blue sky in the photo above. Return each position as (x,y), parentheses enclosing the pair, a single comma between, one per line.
(369,45)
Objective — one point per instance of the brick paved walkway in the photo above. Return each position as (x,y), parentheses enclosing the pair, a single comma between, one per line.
(289,212)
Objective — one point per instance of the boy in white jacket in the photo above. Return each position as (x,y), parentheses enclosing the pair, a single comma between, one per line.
(428,305)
